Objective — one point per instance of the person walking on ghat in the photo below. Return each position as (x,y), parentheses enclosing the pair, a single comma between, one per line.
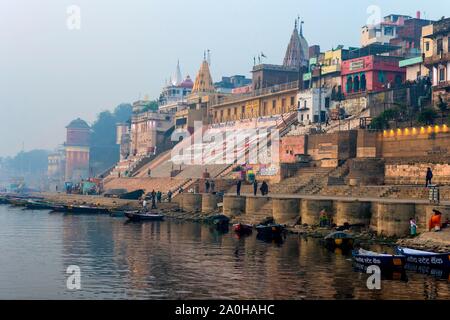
(159,196)
(153,199)
(429,177)
(169,196)
(238,187)
(412,227)
(264,188)
(207,186)
(255,187)
(144,205)
(213,186)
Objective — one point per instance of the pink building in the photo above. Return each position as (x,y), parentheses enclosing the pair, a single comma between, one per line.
(371,73)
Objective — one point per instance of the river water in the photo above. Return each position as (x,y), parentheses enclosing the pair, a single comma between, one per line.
(176,260)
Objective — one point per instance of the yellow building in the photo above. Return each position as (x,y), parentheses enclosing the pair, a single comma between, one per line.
(267,102)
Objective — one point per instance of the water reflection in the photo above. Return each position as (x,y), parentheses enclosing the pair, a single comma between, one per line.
(176,260)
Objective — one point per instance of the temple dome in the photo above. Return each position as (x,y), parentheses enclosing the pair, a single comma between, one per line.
(187,83)
(78,124)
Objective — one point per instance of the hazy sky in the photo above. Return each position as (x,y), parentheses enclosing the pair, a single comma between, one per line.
(50,75)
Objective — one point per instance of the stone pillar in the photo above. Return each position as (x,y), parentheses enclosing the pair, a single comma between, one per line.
(191,202)
(352,212)
(233,205)
(310,210)
(258,206)
(286,210)
(393,218)
(209,202)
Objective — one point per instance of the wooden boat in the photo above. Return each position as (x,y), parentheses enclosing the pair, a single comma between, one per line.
(133,195)
(425,258)
(242,228)
(383,260)
(143,216)
(386,274)
(83,209)
(39,205)
(220,221)
(339,239)
(270,230)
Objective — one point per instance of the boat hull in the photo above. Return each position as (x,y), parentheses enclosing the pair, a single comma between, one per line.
(385,262)
(137,217)
(429,259)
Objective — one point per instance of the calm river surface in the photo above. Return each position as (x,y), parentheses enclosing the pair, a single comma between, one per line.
(176,260)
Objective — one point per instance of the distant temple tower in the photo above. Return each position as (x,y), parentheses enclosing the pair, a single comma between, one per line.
(77,150)
(203,82)
(297,53)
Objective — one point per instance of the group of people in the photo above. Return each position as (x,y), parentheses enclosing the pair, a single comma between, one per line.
(264,188)
(435,224)
(155,197)
(210,186)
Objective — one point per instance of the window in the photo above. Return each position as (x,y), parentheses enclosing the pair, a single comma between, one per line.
(292,101)
(427,46)
(448,44)
(388,31)
(274,104)
(441,74)
(242,110)
(235,111)
(440,46)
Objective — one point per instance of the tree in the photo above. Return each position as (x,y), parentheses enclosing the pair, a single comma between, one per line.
(426,117)
(151,106)
(443,107)
(104,150)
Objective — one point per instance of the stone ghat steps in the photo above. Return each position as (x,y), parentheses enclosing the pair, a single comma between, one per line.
(148,184)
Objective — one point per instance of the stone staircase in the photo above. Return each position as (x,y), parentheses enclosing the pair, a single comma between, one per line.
(308,180)
(256,218)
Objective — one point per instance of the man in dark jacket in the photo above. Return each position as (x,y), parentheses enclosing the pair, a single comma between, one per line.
(255,187)
(429,177)
(238,187)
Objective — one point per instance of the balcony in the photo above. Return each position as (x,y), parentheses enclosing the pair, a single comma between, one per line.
(260,92)
(437,58)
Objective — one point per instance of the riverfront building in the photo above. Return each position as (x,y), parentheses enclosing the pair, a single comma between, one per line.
(77,149)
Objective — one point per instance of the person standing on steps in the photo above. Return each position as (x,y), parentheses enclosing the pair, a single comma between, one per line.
(255,187)
(429,177)
(207,186)
(238,187)
(264,188)
(169,196)
(153,199)
(212,186)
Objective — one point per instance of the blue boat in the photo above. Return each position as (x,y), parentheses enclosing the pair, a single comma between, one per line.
(425,258)
(383,260)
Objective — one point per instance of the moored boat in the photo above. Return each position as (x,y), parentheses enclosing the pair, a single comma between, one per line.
(270,230)
(383,260)
(425,258)
(141,216)
(242,228)
(39,205)
(339,239)
(83,209)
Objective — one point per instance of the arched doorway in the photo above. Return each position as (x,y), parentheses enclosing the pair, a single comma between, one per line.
(356,84)
(363,83)
(349,84)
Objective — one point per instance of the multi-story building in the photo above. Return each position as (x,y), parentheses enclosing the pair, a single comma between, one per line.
(384,31)
(228,84)
(56,169)
(174,95)
(148,130)
(312,103)
(437,59)
(369,70)
(77,149)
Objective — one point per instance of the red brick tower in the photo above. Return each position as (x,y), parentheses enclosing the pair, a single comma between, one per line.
(77,150)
